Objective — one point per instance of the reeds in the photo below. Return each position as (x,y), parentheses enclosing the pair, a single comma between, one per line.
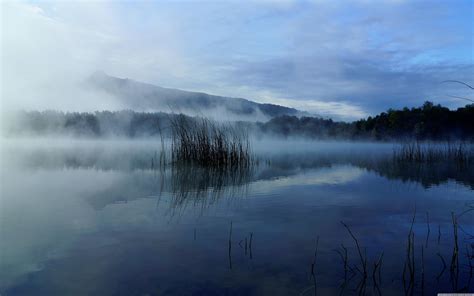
(416,276)
(209,144)
(248,245)
(409,265)
(313,264)
(363,258)
(363,261)
(418,152)
(230,246)
(454,268)
(444,266)
(377,270)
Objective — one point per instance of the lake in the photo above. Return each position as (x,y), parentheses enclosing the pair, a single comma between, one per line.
(83,217)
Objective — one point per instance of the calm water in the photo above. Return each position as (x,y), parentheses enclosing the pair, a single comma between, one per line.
(98,218)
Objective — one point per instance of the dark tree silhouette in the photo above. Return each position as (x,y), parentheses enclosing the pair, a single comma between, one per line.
(428,122)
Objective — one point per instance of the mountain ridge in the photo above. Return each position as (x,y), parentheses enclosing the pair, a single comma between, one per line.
(142,96)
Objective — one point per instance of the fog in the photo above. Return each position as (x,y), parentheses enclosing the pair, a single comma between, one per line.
(50,51)
(50,48)
(96,199)
(56,192)
(41,63)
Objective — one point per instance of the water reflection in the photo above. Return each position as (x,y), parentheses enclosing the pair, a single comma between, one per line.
(143,157)
(200,183)
(424,173)
(103,216)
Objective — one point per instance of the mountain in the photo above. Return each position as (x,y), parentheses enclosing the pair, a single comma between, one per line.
(141,96)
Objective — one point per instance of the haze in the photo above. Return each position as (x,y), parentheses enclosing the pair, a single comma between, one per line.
(344,60)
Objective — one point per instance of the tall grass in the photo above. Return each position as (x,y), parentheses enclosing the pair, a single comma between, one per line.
(209,144)
(430,153)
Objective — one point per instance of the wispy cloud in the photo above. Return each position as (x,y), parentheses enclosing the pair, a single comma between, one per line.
(345,59)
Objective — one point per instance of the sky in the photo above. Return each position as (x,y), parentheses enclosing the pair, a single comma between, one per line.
(340,59)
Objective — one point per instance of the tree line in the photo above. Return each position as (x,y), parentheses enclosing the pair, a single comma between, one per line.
(427,122)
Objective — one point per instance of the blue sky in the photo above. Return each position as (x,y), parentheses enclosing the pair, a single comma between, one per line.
(341,59)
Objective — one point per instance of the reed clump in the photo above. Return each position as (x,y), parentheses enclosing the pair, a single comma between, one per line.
(206,143)
(418,152)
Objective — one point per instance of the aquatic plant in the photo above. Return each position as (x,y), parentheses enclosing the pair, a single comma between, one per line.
(459,152)
(208,143)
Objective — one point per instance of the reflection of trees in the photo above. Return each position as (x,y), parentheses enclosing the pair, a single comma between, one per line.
(188,184)
(428,174)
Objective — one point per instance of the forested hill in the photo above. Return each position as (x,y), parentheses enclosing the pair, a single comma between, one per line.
(141,96)
(428,122)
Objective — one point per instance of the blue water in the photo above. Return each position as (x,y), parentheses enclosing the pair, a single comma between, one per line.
(88,218)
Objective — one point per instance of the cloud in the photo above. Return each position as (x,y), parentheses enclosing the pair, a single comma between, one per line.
(345,59)
(48,52)
(43,60)
(359,82)
(373,56)
(340,110)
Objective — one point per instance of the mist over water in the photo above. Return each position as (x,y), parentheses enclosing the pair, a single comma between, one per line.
(237,148)
(102,211)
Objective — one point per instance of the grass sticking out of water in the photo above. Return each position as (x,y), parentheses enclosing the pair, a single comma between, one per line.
(417,152)
(210,144)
